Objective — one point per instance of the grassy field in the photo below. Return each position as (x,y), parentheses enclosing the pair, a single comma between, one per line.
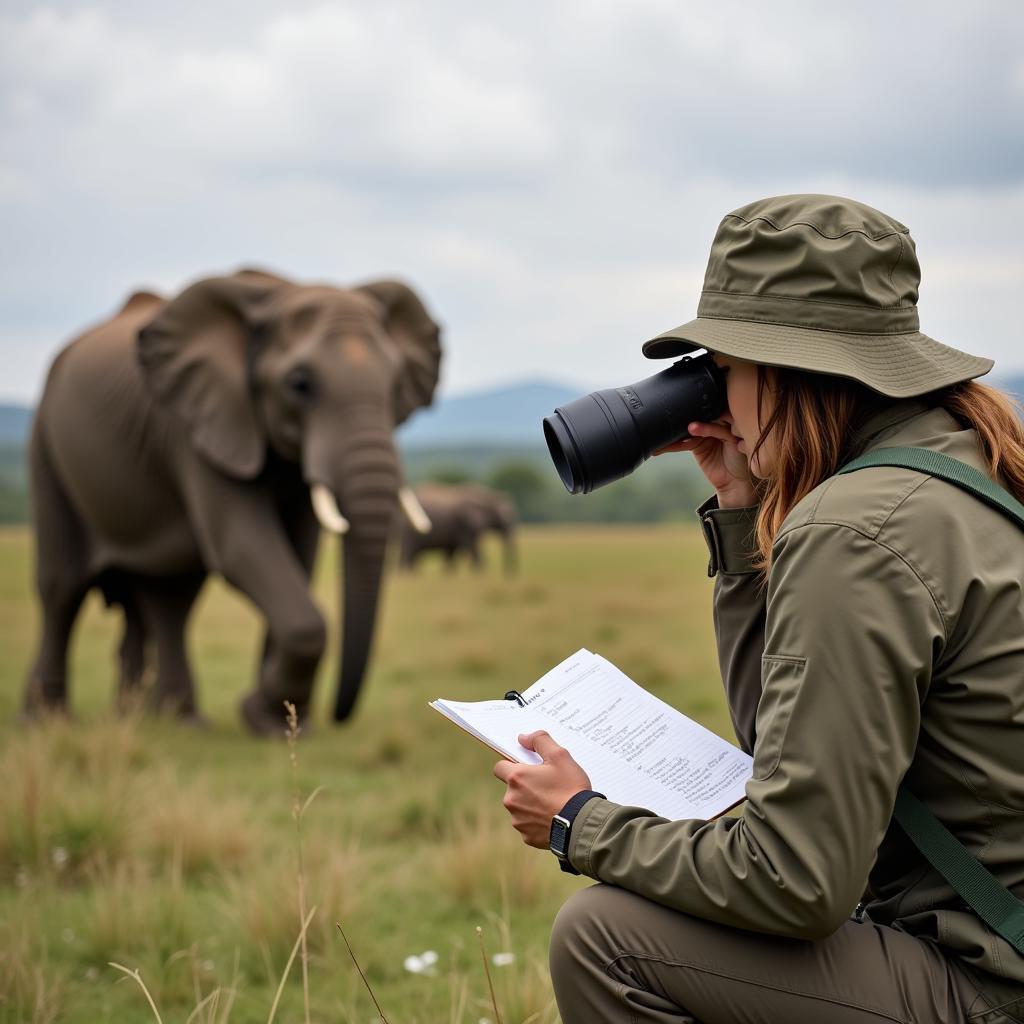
(174,851)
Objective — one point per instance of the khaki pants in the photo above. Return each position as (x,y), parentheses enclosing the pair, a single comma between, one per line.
(617,957)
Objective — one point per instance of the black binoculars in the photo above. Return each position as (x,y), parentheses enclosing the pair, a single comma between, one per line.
(605,435)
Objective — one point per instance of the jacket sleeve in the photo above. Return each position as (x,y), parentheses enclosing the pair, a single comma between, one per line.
(851,635)
(739,610)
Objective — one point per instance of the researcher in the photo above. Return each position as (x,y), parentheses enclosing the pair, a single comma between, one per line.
(870,633)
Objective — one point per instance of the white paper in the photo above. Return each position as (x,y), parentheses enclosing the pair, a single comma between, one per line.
(636,749)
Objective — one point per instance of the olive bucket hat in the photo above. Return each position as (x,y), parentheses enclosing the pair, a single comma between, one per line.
(819,283)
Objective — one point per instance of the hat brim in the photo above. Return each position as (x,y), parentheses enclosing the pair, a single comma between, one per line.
(897,365)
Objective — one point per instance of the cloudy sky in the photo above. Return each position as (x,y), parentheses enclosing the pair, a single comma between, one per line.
(548,175)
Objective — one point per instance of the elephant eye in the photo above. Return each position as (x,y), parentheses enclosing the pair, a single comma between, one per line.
(299,383)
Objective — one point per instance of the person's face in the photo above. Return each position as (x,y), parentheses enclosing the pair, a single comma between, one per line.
(741,417)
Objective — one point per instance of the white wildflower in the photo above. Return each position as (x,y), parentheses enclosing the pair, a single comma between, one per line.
(60,857)
(503,959)
(208,966)
(424,963)
(68,935)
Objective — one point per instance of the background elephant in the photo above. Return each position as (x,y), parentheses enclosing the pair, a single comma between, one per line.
(211,433)
(459,514)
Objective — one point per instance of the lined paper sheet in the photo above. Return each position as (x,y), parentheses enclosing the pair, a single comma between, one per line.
(636,748)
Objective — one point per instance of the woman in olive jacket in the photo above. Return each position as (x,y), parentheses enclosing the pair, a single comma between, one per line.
(870,631)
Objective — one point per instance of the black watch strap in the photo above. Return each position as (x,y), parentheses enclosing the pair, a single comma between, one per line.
(574,803)
(561,827)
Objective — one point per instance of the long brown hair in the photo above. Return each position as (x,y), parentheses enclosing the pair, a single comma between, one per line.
(816,423)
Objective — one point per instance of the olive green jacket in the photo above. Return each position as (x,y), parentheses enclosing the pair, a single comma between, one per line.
(888,647)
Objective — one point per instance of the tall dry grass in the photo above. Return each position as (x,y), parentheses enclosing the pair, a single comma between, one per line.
(51,825)
(79,803)
(31,985)
(283,905)
(172,852)
(478,866)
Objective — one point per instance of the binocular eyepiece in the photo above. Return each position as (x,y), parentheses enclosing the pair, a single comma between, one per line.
(605,435)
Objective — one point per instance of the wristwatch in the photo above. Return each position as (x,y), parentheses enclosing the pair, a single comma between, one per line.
(561,828)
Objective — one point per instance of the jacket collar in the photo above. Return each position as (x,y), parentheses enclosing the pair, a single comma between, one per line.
(886,422)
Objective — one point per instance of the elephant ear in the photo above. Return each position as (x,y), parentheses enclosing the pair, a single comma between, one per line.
(195,356)
(419,338)
(257,275)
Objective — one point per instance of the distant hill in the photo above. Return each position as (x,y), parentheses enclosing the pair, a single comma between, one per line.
(499,416)
(15,421)
(1015,385)
(493,436)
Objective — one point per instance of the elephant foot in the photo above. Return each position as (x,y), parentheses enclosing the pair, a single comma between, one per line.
(194,720)
(131,701)
(174,706)
(40,714)
(39,705)
(267,718)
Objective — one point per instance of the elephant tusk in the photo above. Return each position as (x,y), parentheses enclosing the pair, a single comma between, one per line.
(413,510)
(326,509)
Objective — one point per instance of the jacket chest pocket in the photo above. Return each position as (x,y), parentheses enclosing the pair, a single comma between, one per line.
(781,676)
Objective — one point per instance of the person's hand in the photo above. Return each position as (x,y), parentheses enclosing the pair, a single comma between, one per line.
(535,793)
(714,446)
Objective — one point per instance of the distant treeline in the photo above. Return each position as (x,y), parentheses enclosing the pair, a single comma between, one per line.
(13,485)
(664,488)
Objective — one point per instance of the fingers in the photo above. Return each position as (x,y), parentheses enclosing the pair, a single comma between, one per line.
(503,770)
(687,444)
(700,433)
(719,431)
(542,743)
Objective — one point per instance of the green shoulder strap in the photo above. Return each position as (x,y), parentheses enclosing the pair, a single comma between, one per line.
(981,890)
(945,468)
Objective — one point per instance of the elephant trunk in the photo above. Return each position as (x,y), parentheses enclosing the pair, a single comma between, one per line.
(363,568)
(366,487)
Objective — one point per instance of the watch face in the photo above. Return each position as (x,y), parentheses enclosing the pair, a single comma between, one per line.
(559,836)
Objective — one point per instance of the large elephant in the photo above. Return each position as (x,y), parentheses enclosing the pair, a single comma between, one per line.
(459,515)
(211,433)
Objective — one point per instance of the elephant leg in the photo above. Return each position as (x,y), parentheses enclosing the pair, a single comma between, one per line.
(165,605)
(47,683)
(303,534)
(292,647)
(242,536)
(131,654)
(62,582)
(473,551)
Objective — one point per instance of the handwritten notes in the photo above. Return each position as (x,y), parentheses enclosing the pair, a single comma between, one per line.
(637,749)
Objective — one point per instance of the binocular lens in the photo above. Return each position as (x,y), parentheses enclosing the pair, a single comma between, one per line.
(605,435)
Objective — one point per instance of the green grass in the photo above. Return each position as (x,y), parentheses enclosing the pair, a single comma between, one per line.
(173,851)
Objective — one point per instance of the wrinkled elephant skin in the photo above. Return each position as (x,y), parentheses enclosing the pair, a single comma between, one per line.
(183,437)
